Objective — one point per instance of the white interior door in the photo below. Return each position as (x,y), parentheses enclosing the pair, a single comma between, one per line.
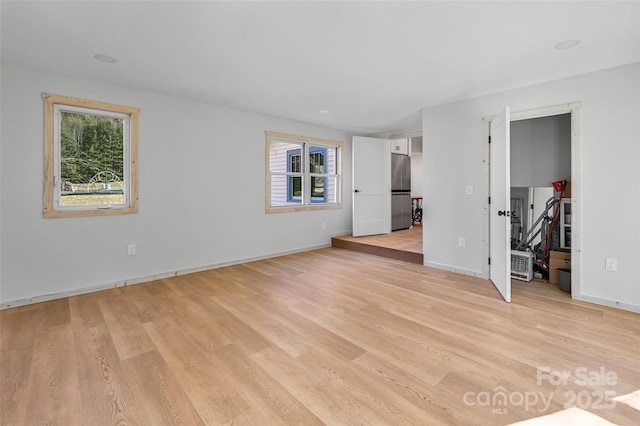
(371,186)
(499,215)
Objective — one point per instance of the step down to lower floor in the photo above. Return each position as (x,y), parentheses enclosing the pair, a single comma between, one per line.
(387,252)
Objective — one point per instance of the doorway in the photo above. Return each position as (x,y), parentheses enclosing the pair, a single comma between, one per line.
(412,227)
(571,113)
(406,242)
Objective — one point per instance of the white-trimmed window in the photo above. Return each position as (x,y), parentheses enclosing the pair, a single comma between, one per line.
(91,157)
(303,173)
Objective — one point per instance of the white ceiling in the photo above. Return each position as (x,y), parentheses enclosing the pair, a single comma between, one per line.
(374,65)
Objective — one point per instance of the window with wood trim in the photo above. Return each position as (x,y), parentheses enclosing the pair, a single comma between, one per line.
(303,173)
(91,157)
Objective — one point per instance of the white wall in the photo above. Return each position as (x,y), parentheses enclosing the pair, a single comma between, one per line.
(202,171)
(453,156)
(541,150)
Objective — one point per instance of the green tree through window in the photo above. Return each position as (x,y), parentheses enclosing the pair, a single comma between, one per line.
(90,144)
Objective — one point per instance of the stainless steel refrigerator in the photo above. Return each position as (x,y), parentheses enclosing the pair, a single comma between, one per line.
(400,192)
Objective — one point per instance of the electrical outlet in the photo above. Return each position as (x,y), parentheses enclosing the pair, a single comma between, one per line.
(468,190)
(611,264)
(324,225)
(462,243)
(131,249)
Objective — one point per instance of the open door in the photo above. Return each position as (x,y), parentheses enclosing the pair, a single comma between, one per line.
(371,186)
(499,214)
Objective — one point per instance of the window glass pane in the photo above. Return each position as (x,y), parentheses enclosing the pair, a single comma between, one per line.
(280,185)
(331,189)
(295,162)
(279,155)
(317,159)
(331,160)
(91,159)
(318,188)
(295,187)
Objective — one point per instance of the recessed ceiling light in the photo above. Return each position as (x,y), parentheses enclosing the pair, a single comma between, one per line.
(105,58)
(567,44)
(324,112)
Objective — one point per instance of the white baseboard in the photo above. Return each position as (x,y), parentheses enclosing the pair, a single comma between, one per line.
(455,269)
(53,296)
(583,297)
(610,303)
(143,279)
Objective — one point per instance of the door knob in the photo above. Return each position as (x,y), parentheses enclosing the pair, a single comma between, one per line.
(357,190)
(503,213)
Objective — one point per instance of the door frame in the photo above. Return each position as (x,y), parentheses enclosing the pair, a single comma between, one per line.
(575,109)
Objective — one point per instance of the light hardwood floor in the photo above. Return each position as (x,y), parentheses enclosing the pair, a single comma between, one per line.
(324,337)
